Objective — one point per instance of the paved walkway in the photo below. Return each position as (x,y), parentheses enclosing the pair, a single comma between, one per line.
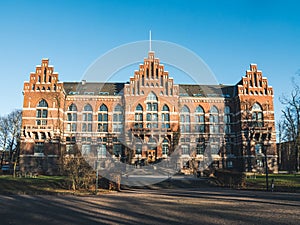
(145,206)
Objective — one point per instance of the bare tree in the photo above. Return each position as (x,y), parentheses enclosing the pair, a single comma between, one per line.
(291,122)
(78,170)
(10,126)
(4,136)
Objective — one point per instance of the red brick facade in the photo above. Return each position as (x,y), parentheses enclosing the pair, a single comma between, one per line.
(148,119)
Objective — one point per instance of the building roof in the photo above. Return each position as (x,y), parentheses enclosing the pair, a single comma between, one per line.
(93,88)
(193,90)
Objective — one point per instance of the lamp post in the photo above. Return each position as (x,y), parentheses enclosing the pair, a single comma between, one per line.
(97,172)
(265,145)
(267,170)
(249,135)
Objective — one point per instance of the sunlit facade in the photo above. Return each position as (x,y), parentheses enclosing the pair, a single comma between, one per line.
(147,120)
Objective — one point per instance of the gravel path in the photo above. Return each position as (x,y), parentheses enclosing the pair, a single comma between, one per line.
(139,206)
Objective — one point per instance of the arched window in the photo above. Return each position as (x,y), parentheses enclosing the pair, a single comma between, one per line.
(72,107)
(152,97)
(138,117)
(139,108)
(87,118)
(152,111)
(118,119)
(227,120)
(102,119)
(165,147)
(185,120)
(165,117)
(214,120)
(72,118)
(42,112)
(200,120)
(257,115)
(43,103)
(87,107)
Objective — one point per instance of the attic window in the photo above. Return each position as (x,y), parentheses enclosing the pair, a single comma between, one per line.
(88,93)
(197,95)
(226,95)
(184,94)
(212,95)
(103,93)
(73,93)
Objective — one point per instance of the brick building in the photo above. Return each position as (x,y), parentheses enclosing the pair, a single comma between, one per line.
(147,120)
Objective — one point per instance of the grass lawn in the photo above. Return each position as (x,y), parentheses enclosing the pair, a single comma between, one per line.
(282,182)
(38,185)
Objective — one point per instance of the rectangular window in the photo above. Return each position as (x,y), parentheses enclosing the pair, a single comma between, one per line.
(74,127)
(214,149)
(182,128)
(187,118)
(68,127)
(167,117)
(44,113)
(89,127)
(38,113)
(182,119)
(185,150)
(39,147)
(229,164)
(90,117)
(149,107)
(69,149)
(202,128)
(117,150)
(86,149)
(227,119)
(149,117)
(201,119)
(200,149)
(84,127)
(101,151)
(187,128)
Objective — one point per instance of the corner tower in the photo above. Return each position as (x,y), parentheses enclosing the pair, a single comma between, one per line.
(41,119)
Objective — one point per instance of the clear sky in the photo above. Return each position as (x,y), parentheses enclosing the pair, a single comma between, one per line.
(227,35)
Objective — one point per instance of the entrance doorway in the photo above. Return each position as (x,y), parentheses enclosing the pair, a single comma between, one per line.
(151,155)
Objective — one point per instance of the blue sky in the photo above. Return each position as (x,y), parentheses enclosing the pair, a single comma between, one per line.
(227,35)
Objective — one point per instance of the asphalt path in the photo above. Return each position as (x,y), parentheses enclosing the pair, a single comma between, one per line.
(161,206)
